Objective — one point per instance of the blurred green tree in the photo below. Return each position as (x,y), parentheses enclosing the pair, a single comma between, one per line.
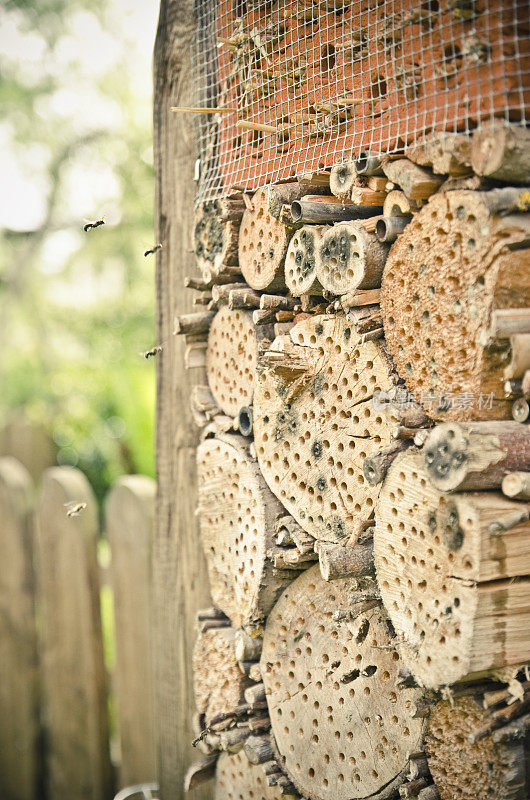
(76,308)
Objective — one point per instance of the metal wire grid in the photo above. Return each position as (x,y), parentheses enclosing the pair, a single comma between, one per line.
(335,77)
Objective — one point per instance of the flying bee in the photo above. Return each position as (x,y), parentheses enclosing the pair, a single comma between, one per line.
(154,249)
(90,225)
(73,509)
(153,352)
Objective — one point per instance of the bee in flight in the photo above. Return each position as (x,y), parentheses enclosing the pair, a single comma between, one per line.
(153,352)
(90,225)
(154,249)
(73,509)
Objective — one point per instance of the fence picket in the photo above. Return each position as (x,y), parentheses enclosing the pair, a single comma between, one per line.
(129,516)
(19,716)
(74,681)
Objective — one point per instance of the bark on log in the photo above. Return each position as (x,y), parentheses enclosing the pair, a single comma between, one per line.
(313,209)
(337,561)
(349,258)
(464,606)
(236,514)
(469,456)
(248,644)
(502,151)
(376,465)
(330,672)
(258,749)
(445,153)
(301,261)
(283,194)
(449,362)
(415,182)
(479,770)
(313,404)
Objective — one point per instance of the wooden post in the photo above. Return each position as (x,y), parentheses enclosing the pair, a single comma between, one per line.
(73,673)
(464,606)
(350,258)
(437,320)
(20,767)
(315,422)
(179,572)
(129,513)
(331,673)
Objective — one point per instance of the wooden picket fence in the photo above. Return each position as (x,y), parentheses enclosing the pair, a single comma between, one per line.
(70,726)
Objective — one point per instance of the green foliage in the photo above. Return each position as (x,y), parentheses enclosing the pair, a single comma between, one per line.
(76,308)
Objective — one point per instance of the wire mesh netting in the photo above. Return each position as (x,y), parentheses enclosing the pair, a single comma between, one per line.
(303,85)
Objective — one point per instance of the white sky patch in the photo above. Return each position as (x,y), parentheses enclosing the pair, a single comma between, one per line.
(57,248)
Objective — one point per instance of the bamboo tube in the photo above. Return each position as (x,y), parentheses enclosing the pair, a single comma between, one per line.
(368,164)
(314,209)
(323,675)
(464,607)
(256,126)
(197,110)
(283,194)
(387,229)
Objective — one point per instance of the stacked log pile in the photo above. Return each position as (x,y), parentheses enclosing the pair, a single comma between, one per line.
(363,347)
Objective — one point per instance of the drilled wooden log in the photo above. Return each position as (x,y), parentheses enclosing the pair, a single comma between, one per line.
(301,261)
(502,151)
(337,561)
(445,275)
(473,771)
(314,424)
(231,358)
(342,179)
(342,728)
(237,513)
(349,258)
(475,455)
(415,182)
(263,242)
(238,779)
(313,209)
(452,582)
(445,153)
(219,686)
(216,235)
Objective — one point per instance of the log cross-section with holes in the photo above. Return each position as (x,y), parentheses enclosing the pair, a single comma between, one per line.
(315,421)
(343,727)
(455,583)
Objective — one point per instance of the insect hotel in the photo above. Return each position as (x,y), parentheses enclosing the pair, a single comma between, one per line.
(343,545)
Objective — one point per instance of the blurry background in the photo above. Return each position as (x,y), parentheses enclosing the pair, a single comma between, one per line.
(76,308)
